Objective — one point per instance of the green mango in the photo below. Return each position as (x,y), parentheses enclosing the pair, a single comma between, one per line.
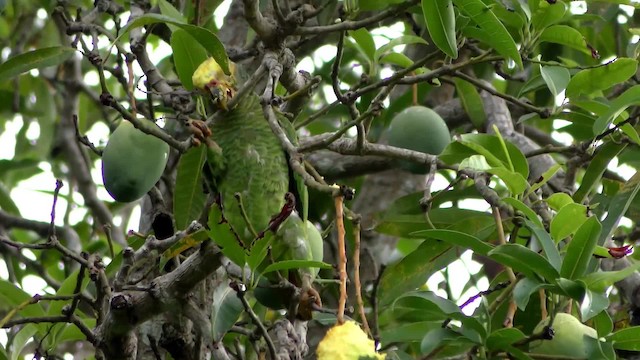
(132,162)
(568,339)
(420,129)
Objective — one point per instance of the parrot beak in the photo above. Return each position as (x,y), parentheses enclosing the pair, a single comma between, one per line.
(219,97)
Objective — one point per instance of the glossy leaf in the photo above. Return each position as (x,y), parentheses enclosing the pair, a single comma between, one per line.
(189,198)
(414,269)
(441,23)
(204,36)
(601,280)
(490,147)
(559,200)
(564,35)
(628,98)
(548,15)
(592,304)
(626,339)
(567,221)
(436,337)
(296,264)
(225,311)
(618,207)
(588,81)
(188,54)
(34,59)
(472,102)
(523,259)
(429,302)
(223,236)
(522,207)
(556,77)
(501,338)
(548,245)
(498,36)
(457,238)
(580,249)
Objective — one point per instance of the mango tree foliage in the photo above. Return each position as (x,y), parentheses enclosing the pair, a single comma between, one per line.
(527,216)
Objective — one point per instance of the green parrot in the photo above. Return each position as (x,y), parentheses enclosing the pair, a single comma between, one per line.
(245,158)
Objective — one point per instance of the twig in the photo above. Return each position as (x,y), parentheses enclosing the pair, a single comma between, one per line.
(342,258)
(240,291)
(83,139)
(508,322)
(356,270)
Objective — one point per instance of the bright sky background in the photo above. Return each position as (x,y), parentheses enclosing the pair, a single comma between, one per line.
(36,205)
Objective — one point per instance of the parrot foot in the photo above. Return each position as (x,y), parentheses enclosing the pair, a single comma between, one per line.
(309,301)
(200,131)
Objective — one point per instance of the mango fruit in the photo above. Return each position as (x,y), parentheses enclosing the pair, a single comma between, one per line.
(132,162)
(347,342)
(420,129)
(568,339)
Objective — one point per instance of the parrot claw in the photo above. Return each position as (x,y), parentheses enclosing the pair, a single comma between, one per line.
(199,129)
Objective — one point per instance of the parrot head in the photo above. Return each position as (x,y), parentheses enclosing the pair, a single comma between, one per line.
(219,86)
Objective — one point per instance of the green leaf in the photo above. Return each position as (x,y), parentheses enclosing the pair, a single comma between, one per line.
(557,201)
(429,302)
(618,207)
(35,59)
(519,205)
(580,249)
(167,9)
(501,338)
(471,102)
(498,36)
(490,147)
(516,183)
(626,339)
(224,237)
(592,304)
(11,297)
(395,58)
(601,280)
(204,36)
(414,270)
(296,264)
(436,337)
(188,54)
(564,35)
(548,15)
(588,81)
(402,40)
(441,23)
(259,251)
(408,332)
(21,339)
(523,291)
(556,77)
(524,260)
(567,221)
(457,238)
(6,202)
(548,245)
(628,98)
(365,44)
(603,323)
(225,311)
(188,197)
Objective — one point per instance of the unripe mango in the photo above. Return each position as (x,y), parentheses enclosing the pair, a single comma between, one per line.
(420,129)
(568,339)
(132,162)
